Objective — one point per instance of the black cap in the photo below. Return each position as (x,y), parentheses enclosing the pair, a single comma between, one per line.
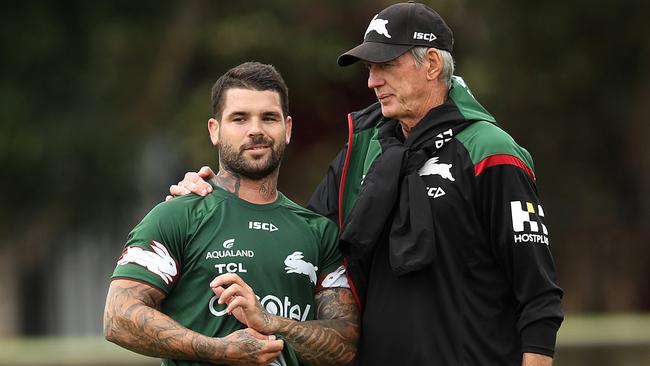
(397,29)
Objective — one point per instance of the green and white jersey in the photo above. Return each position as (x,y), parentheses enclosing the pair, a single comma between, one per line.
(285,252)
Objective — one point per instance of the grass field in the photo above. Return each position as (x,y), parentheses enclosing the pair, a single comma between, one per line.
(585,339)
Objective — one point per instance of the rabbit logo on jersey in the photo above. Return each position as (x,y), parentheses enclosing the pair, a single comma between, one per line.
(295,264)
(158,260)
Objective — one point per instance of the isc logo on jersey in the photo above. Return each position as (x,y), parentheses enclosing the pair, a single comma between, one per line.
(265,226)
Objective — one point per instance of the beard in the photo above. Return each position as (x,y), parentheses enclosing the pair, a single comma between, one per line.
(233,159)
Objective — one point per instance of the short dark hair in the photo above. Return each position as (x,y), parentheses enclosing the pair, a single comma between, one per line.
(249,75)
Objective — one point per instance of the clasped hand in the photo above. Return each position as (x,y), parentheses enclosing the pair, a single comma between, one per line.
(241,302)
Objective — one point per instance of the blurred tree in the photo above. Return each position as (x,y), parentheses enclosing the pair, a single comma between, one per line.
(104,105)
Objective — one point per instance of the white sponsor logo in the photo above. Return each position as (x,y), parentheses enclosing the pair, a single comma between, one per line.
(525,218)
(432,167)
(218,254)
(228,243)
(336,279)
(531,238)
(435,192)
(443,137)
(228,253)
(425,36)
(266,226)
(158,262)
(230,268)
(378,25)
(272,304)
(295,264)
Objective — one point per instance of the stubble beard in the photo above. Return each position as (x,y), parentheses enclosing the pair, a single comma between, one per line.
(233,159)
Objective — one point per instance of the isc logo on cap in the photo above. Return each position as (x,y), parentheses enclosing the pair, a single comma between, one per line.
(425,36)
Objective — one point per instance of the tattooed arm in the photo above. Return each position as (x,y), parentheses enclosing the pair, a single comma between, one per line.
(132,321)
(331,339)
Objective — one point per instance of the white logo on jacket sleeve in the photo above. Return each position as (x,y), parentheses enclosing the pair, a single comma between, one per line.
(336,278)
(524,215)
(433,167)
(158,262)
(295,264)
(378,25)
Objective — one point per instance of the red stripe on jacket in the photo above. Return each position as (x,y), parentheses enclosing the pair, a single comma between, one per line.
(502,159)
(341,192)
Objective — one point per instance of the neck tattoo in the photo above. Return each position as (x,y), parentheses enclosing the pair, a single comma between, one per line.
(228,181)
(268,190)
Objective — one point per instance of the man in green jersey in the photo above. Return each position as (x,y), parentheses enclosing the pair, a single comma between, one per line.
(243,276)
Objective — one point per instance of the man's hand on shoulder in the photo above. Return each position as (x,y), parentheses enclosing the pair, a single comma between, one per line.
(192,183)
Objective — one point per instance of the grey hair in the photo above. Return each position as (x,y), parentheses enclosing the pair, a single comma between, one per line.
(419,53)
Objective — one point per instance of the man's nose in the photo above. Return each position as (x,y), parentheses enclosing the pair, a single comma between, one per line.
(255,127)
(374,77)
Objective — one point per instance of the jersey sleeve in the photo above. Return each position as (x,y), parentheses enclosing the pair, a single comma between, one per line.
(155,246)
(331,271)
(515,221)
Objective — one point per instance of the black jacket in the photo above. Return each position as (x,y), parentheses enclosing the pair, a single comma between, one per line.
(491,293)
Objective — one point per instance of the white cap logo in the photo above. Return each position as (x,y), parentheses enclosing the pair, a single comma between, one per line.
(378,25)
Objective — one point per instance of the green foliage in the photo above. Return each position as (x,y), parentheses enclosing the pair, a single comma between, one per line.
(104,105)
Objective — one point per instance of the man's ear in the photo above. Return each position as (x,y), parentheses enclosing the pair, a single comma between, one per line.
(213,130)
(288,124)
(435,64)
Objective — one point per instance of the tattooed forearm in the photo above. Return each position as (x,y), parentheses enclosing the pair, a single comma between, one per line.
(332,338)
(131,320)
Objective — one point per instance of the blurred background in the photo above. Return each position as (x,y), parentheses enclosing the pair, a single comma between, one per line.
(104,106)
